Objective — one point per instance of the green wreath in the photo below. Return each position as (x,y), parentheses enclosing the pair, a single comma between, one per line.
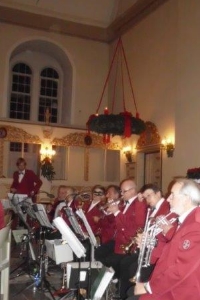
(47,169)
(114,124)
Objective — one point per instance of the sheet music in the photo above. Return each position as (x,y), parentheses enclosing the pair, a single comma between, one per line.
(17,198)
(73,221)
(92,238)
(41,215)
(16,202)
(69,236)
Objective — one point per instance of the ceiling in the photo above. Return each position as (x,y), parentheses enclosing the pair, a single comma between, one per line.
(102,20)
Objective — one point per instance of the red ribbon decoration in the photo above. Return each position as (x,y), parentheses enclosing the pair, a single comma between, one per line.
(88,122)
(127,123)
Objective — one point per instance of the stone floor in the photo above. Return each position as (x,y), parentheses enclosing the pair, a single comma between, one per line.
(22,279)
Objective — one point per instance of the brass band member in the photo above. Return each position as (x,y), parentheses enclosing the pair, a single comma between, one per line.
(177,272)
(127,222)
(159,206)
(91,208)
(107,222)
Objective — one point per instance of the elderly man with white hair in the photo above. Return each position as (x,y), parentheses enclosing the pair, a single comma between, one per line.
(177,272)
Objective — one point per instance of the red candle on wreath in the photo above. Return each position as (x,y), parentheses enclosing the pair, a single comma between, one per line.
(106,111)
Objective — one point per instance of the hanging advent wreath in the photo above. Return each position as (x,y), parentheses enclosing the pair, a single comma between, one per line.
(120,124)
(123,124)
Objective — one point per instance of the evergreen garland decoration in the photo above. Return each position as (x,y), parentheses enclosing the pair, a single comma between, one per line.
(47,169)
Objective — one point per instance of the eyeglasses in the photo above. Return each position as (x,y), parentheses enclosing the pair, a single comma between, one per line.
(125,191)
(98,193)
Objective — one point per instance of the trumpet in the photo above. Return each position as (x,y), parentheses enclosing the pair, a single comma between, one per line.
(127,247)
(149,242)
(109,203)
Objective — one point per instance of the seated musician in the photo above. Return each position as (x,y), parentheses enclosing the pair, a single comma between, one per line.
(127,221)
(62,193)
(91,208)
(68,200)
(177,272)
(107,222)
(159,207)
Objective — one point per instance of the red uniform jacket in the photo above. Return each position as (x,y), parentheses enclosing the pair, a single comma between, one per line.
(128,223)
(107,228)
(30,183)
(177,272)
(90,214)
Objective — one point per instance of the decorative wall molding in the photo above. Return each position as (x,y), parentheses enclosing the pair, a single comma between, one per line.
(15,134)
(77,139)
(150,138)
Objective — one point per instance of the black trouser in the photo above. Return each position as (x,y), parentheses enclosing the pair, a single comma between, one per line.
(105,254)
(128,268)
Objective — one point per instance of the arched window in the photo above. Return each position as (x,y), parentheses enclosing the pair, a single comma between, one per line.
(49,80)
(20,99)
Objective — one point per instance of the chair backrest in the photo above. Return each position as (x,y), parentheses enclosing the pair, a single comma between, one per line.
(4,232)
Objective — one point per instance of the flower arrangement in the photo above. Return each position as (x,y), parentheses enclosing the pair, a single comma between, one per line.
(120,124)
(193,173)
(47,169)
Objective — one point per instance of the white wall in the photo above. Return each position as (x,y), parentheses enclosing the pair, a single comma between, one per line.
(88,58)
(163,56)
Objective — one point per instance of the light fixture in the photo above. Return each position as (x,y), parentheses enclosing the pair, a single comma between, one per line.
(168,146)
(128,153)
(47,152)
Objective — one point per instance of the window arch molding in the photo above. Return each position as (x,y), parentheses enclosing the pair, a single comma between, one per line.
(56,58)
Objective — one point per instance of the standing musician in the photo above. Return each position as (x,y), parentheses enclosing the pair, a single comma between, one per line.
(159,207)
(177,272)
(127,222)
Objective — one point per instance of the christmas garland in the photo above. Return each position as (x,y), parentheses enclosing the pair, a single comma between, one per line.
(120,124)
(47,169)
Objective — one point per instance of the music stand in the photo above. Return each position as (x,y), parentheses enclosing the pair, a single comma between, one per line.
(45,224)
(93,243)
(74,223)
(72,240)
(17,202)
(101,283)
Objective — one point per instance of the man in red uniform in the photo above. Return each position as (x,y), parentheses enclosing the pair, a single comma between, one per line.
(177,272)
(128,267)
(25,181)
(127,222)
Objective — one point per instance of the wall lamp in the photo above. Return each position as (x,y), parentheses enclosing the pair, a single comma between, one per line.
(128,153)
(168,146)
(47,152)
